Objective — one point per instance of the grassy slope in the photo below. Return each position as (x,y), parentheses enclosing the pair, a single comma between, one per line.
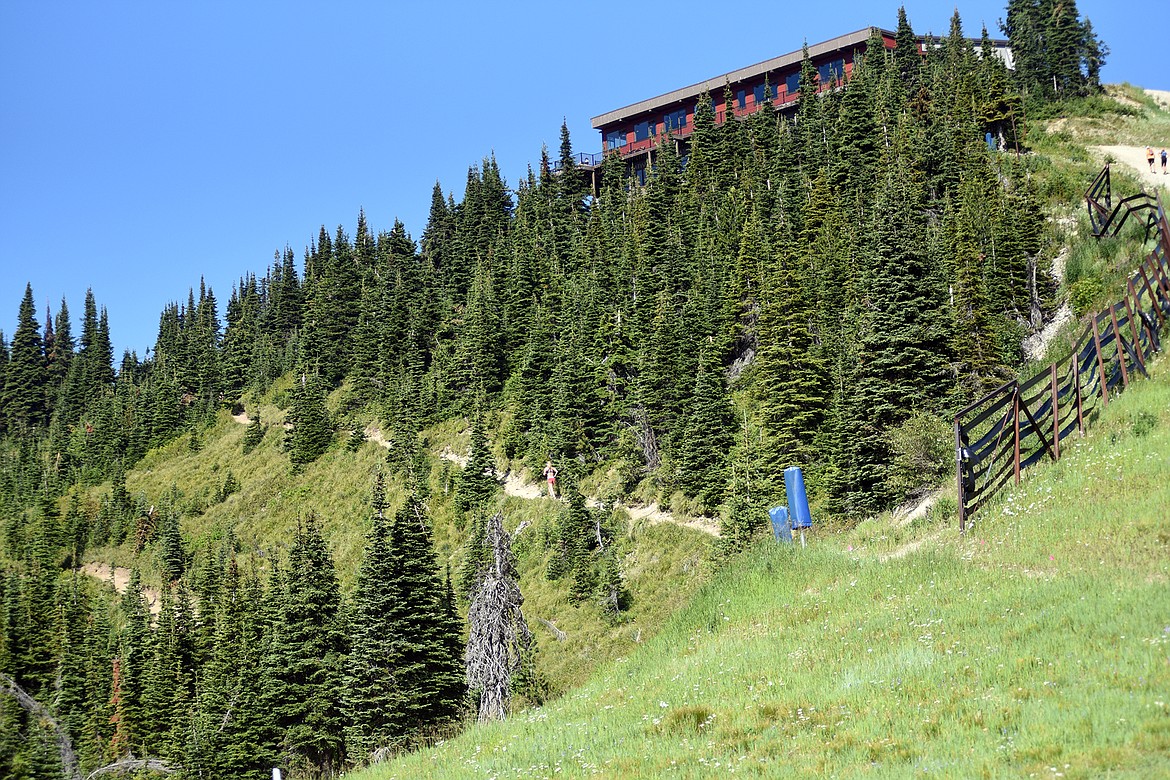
(1001,652)
(664,564)
(1036,645)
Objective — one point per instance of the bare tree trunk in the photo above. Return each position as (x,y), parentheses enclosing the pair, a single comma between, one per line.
(38,710)
(69,764)
(646,438)
(127,765)
(500,643)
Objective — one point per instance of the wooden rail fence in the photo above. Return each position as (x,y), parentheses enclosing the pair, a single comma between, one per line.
(1023,422)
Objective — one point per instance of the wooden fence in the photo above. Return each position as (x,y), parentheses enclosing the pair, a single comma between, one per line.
(1023,422)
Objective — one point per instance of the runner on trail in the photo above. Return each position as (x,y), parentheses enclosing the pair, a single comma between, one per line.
(550,473)
(1163,162)
(1150,157)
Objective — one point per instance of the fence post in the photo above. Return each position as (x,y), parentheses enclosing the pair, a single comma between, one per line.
(1076,369)
(1100,363)
(1055,418)
(959,477)
(1137,343)
(1120,351)
(1153,294)
(1016,430)
(1163,282)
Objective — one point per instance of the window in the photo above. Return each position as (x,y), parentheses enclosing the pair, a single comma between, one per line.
(615,139)
(758,93)
(832,70)
(675,120)
(741,98)
(792,83)
(644,130)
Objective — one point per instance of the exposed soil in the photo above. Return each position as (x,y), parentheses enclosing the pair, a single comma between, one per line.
(121,578)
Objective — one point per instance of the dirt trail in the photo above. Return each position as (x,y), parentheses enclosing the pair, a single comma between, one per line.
(121,577)
(515,485)
(1134,157)
(241,418)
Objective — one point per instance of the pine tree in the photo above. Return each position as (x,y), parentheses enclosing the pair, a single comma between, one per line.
(428,674)
(478,482)
(788,375)
(312,648)
(707,436)
(130,713)
(907,60)
(174,558)
(903,358)
(312,430)
(26,379)
(254,433)
(373,692)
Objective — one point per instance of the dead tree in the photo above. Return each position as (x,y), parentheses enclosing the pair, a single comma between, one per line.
(500,645)
(34,708)
(69,765)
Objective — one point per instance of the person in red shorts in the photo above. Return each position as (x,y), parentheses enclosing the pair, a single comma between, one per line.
(550,473)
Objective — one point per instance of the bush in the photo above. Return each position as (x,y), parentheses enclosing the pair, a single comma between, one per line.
(1084,295)
(922,450)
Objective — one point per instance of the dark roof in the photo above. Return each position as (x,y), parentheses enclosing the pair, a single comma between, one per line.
(712,85)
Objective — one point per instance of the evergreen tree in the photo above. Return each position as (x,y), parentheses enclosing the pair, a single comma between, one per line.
(707,437)
(26,379)
(478,482)
(903,359)
(312,430)
(373,693)
(311,649)
(254,433)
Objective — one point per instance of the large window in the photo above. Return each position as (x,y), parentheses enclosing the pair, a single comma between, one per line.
(792,83)
(644,130)
(615,139)
(741,98)
(675,120)
(832,70)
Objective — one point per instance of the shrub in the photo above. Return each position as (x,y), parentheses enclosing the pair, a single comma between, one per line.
(1084,295)
(922,451)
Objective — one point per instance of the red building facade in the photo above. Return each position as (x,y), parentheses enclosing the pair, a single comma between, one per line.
(634,130)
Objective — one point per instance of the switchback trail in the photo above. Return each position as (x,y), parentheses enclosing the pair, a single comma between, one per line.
(515,485)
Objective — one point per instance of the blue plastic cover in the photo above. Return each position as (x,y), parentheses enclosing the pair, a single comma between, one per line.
(797,498)
(780,525)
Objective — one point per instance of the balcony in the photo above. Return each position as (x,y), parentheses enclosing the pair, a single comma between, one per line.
(581,160)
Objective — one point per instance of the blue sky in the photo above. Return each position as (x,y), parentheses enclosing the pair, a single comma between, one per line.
(146,145)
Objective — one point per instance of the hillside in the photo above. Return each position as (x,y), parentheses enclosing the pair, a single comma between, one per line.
(1036,646)
(330,541)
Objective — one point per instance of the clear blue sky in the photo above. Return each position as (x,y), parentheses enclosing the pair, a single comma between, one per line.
(144,145)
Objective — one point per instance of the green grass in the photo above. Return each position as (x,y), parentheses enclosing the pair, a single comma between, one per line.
(1036,645)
